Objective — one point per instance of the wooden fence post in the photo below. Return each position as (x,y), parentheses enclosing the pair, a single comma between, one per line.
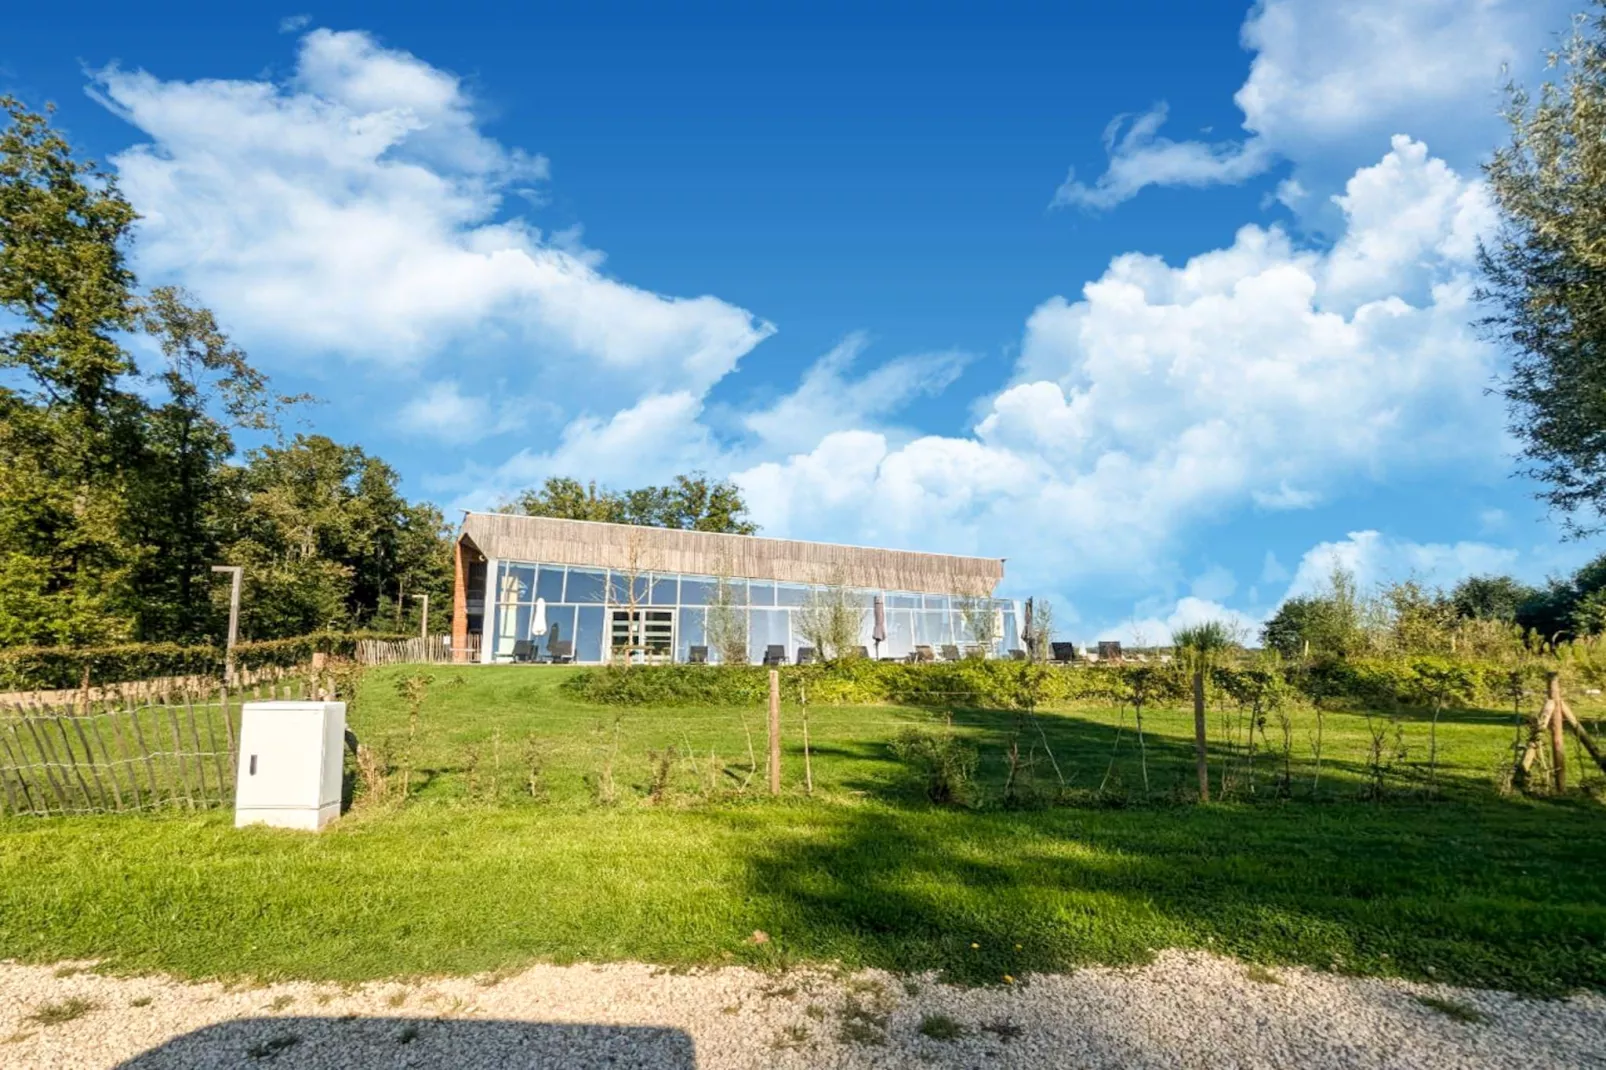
(775,732)
(1558,746)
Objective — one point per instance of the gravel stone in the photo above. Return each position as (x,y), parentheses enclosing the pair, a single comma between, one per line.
(1185,1009)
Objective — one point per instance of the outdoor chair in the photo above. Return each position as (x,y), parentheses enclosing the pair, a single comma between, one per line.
(806,655)
(775,654)
(1109,650)
(1064,652)
(975,650)
(562,651)
(697,655)
(1017,654)
(923,653)
(523,651)
(864,652)
(950,652)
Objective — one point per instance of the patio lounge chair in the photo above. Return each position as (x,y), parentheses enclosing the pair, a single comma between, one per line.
(975,650)
(523,651)
(806,655)
(697,655)
(1064,652)
(1017,654)
(923,653)
(864,652)
(562,651)
(775,654)
(950,652)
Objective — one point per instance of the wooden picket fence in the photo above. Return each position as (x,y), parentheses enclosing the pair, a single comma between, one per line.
(435,648)
(127,753)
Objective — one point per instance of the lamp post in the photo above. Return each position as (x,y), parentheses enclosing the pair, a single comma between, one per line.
(236,574)
(423,624)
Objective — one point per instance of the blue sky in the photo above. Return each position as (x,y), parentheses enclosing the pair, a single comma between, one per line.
(1167,303)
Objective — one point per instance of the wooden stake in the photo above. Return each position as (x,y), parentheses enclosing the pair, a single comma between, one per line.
(808,767)
(1583,736)
(1201,754)
(1558,745)
(775,732)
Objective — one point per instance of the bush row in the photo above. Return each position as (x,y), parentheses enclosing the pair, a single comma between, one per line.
(49,668)
(1375,682)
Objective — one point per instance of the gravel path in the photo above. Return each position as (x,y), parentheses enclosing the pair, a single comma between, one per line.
(1184,1010)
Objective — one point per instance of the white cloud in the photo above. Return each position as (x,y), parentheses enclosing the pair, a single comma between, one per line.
(1329,78)
(1142,157)
(443,411)
(827,400)
(357,209)
(1170,395)
(294,23)
(1375,558)
(1188,611)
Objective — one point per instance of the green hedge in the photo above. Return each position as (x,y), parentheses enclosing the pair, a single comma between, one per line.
(861,681)
(49,668)
(1409,682)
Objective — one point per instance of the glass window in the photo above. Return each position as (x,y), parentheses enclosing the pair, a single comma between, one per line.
(962,631)
(559,626)
(696,590)
(512,625)
(1011,632)
(549,584)
(588,632)
(902,600)
(619,588)
(865,599)
(691,633)
(791,594)
(760,594)
(586,585)
(931,629)
(900,634)
(765,628)
(665,590)
(936,601)
(516,583)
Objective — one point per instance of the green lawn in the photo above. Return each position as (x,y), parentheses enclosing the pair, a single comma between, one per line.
(1462,885)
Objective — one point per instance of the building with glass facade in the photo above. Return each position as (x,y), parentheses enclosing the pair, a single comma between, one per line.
(536,587)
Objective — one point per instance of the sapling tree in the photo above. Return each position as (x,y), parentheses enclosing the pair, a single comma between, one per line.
(1202,647)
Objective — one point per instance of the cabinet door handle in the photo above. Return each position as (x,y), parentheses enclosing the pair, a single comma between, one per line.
(253,765)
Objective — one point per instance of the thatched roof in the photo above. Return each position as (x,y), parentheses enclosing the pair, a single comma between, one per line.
(640,549)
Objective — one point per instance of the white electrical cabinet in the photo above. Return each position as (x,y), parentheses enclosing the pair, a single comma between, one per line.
(291,761)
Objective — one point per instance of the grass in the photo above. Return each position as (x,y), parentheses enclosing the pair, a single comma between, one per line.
(475,876)
(68,1010)
(1453,1008)
(941,1027)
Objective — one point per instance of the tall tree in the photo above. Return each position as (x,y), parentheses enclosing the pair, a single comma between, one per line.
(327,540)
(692,502)
(1546,276)
(210,391)
(69,436)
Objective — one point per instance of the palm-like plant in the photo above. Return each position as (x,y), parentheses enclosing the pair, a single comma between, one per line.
(1203,646)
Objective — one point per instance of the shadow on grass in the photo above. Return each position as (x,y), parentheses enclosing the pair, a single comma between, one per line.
(466,1045)
(1497,894)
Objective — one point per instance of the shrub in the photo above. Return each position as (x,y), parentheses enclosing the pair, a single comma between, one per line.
(50,668)
(946,764)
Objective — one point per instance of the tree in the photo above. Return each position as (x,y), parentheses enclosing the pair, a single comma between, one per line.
(69,436)
(726,622)
(692,502)
(211,391)
(1203,646)
(1291,630)
(981,619)
(1498,598)
(1546,277)
(327,540)
(832,620)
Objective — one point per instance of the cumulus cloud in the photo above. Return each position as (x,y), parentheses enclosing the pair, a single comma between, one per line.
(444,412)
(1265,372)
(1375,558)
(1328,77)
(355,208)
(828,399)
